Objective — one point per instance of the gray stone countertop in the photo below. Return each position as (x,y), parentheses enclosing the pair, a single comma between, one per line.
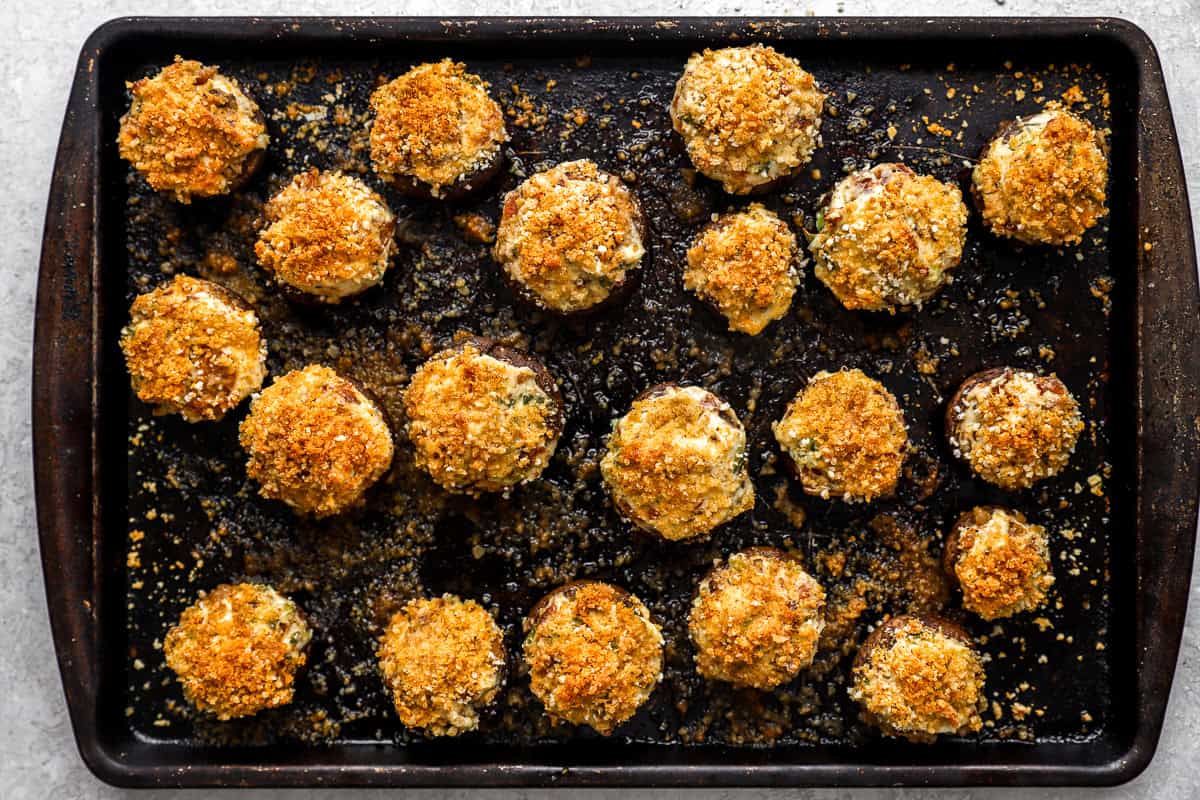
(42,39)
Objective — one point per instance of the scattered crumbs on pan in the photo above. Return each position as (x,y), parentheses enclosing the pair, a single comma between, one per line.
(196,521)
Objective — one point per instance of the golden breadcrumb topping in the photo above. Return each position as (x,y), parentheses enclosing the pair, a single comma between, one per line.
(569,236)
(435,123)
(889,237)
(237,649)
(443,660)
(190,131)
(756,619)
(676,463)
(1043,180)
(315,441)
(1002,564)
(748,115)
(328,234)
(745,264)
(919,681)
(845,434)
(478,423)
(1016,427)
(594,655)
(193,349)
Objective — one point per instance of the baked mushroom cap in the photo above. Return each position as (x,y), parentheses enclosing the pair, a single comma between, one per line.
(1000,561)
(442,659)
(676,462)
(193,348)
(570,238)
(237,649)
(887,237)
(749,116)
(192,132)
(844,436)
(316,441)
(919,677)
(483,417)
(437,132)
(327,235)
(1042,179)
(756,619)
(594,654)
(746,265)
(1013,427)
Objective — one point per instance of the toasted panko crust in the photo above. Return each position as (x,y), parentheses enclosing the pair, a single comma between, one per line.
(327,234)
(569,236)
(756,619)
(889,237)
(435,123)
(315,441)
(237,649)
(190,131)
(747,115)
(746,265)
(193,348)
(479,423)
(918,678)
(676,463)
(1014,427)
(1043,179)
(845,435)
(594,654)
(1000,561)
(443,660)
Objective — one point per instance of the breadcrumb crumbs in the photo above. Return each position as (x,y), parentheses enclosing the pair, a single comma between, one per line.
(193,348)
(756,619)
(190,131)
(846,436)
(1043,179)
(593,653)
(676,463)
(436,124)
(237,649)
(747,115)
(315,441)
(443,660)
(888,237)
(746,265)
(478,422)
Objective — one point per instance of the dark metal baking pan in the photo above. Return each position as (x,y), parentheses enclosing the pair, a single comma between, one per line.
(1080,696)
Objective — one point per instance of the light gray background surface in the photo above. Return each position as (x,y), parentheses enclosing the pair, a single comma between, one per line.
(37,60)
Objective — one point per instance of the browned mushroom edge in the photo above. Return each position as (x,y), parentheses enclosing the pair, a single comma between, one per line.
(885,635)
(464,185)
(983,376)
(253,160)
(537,614)
(518,358)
